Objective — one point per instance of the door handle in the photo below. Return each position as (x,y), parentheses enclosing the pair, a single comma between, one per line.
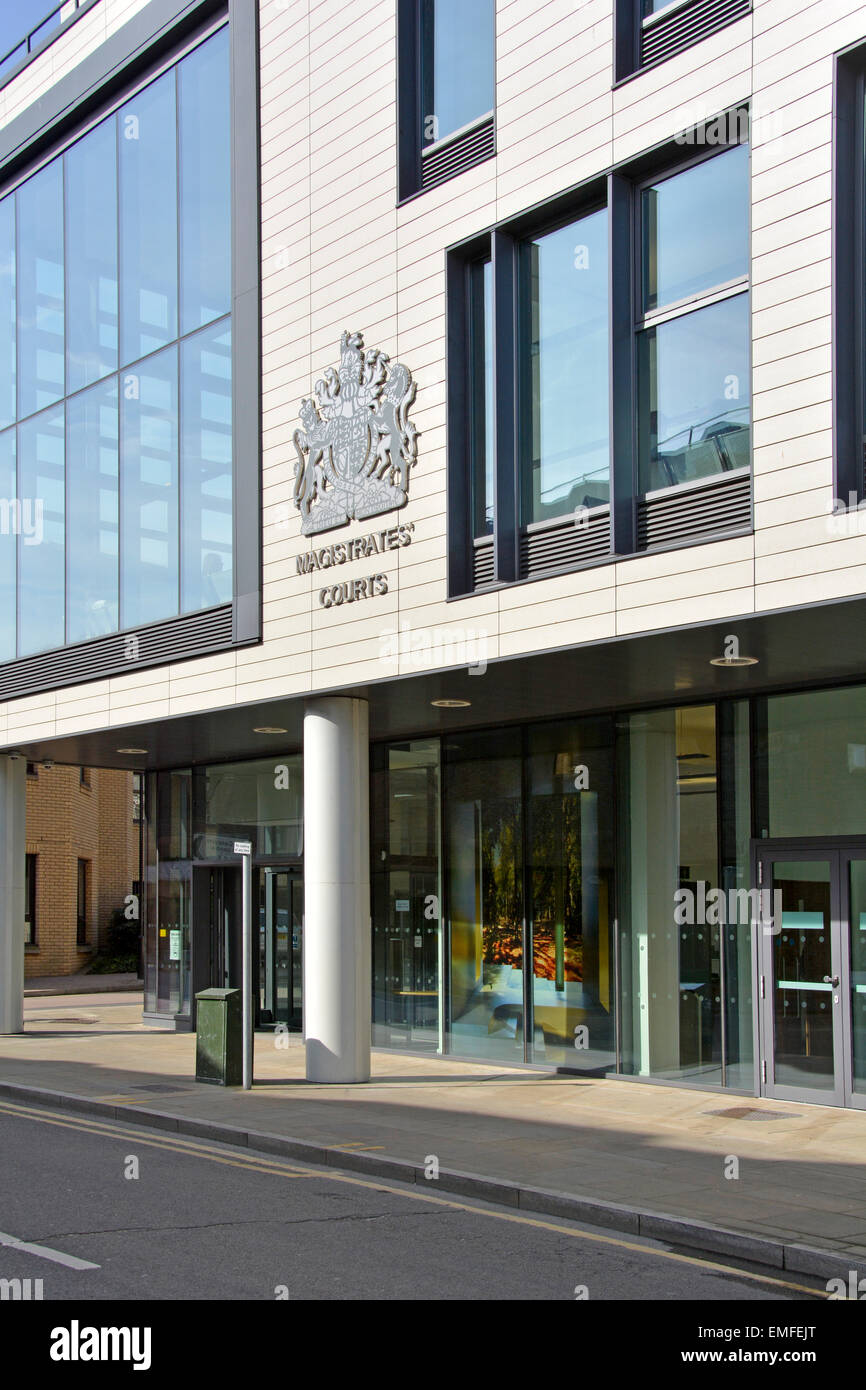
(832,980)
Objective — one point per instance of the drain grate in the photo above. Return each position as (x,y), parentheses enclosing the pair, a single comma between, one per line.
(748,1112)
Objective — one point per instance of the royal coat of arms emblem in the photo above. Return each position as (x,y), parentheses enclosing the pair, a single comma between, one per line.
(357,444)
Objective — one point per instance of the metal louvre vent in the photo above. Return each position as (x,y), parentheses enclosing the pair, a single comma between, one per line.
(562,545)
(689,24)
(467,149)
(482,562)
(670,518)
(120,653)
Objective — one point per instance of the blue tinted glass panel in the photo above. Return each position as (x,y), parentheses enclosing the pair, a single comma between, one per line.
(148,220)
(566,458)
(7,311)
(205,184)
(696,229)
(694,395)
(91,257)
(91,453)
(9,527)
(41,544)
(458,44)
(149,499)
(40,289)
(206,468)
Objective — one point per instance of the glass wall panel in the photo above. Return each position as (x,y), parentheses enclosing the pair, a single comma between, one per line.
(173,806)
(484,839)
(565,370)
(148,219)
(458,51)
(41,550)
(40,290)
(91,257)
(7,311)
(696,229)
(174,919)
(736,829)
(406,895)
(672,912)
(206,468)
(812,763)
(260,801)
(857,917)
(481,391)
(9,527)
(695,395)
(149,500)
(569,878)
(205,184)
(93,520)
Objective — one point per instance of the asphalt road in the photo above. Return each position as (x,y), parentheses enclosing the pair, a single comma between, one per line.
(204,1220)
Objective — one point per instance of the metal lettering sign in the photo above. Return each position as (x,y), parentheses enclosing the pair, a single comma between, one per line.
(357,443)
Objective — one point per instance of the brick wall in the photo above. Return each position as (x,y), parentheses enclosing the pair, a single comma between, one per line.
(67,821)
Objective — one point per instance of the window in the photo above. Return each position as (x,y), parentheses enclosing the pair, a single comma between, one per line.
(599,372)
(446,55)
(115,304)
(849,326)
(84,777)
(32,770)
(30,900)
(81,904)
(650,31)
(693,323)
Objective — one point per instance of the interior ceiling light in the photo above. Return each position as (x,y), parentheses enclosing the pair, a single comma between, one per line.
(131,750)
(451,704)
(269,729)
(734,661)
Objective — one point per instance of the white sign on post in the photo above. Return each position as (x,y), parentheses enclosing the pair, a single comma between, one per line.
(243,847)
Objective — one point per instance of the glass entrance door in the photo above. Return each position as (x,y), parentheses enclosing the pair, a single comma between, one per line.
(281,912)
(811,947)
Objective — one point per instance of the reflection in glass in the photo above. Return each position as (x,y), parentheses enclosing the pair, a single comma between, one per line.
(40,290)
(41,551)
(91,256)
(93,522)
(736,829)
(206,468)
(484,830)
(7,311)
(8,544)
(481,388)
(406,894)
(458,51)
(569,876)
(149,496)
(566,370)
(671,938)
(696,229)
(205,184)
(694,418)
(802,956)
(857,917)
(261,801)
(148,219)
(813,740)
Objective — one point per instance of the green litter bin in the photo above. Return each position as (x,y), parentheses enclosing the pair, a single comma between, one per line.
(218,1037)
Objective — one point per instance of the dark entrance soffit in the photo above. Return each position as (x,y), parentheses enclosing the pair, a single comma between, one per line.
(823,644)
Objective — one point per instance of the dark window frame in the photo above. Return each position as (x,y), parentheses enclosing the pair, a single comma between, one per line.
(82,892)
(84,780)
(150,42)
(462,144)
(630,24)
(30,917)
(619,190)
(849,275)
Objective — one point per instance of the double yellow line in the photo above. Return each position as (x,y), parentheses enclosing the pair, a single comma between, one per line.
(282,1169)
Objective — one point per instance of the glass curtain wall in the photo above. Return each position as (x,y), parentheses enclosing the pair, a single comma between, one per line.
(114,323)
(406,895)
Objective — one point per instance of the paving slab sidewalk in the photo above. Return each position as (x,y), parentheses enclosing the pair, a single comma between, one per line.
(652,1160)
(78,984)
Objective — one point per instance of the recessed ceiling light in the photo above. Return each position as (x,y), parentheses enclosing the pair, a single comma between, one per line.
(131,750)
(451,704)
(734,661)
(269,729)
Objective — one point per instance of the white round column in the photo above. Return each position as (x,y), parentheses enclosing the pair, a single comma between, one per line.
(13,805)
(337,944)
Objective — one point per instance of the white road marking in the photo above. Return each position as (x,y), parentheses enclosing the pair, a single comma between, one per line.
(44,1253)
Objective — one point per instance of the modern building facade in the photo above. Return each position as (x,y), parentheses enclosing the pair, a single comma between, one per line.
(436,457)
(83,864)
